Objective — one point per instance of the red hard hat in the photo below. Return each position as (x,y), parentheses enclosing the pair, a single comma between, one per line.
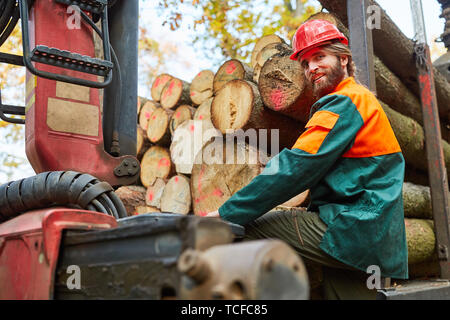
(312,33)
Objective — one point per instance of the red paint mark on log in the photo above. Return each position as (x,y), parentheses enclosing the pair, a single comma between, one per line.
(154,117)
(177,115)
(147,115)
(135,213)
(231,67)
(199,184)
(192,128)
(202,213)
(217,192)
(197,200)
(200,117)
(164,162)
(178,84)
(176,179)
(198,75)
(277,98)
(157,82)
(150,196)
(192,94)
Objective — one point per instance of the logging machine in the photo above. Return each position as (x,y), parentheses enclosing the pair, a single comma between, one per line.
(80,131)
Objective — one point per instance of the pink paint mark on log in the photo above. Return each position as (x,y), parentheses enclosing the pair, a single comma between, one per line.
(150,196)
(176,179)
(277,97)
(157,82)
(217,192)
(177,115)
(178,84)
(191,128)
(197,200)
(147,115)
(199,184)
(192,94)
(198,75)
(231,67)
(154,117)
(202,213)
(164,162)
(200,117)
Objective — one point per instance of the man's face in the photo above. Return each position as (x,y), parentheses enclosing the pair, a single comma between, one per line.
(325,71)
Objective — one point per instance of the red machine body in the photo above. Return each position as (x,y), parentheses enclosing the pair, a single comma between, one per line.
(63,121)
(29,249)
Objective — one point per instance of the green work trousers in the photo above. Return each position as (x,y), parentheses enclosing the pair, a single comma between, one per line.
(303,231)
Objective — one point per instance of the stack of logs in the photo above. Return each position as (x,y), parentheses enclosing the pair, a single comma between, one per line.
(186,129)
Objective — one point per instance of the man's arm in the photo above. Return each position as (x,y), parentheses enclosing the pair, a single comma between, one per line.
(330,132)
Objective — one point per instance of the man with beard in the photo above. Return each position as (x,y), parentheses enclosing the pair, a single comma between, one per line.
(350,160)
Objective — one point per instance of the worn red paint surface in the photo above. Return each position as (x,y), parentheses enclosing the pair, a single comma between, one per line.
(278,99)
(157,82)
(163,162)
(231,67)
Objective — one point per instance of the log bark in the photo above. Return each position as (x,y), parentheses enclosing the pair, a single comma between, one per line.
(203,112)
(154,193)
(417,201)
(397,52)
(181,114)
(158,130)
(261,43)
(410,136)
(146,113)
(175,93)
(158,85)
(284,88)
(214,179)
(188,140)
(390,89)
(420,239)
(202,86)
(131,196)
(231,70)
(142,143)
(176,197)
(156,163)
(264,55)
(238,106)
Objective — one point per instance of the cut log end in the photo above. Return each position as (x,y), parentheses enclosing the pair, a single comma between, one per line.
(146,113)
(203,111)
(174,93)
(176,197)
(231,70)
(202,86)
(154,193)
(158,85)
(261,43)
(156,163)
(158,131)
(181,114)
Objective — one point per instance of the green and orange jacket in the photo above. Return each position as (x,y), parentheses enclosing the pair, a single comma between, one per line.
(352,163)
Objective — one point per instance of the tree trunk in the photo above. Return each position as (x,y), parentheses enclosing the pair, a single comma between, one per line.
(284,88)
(203,111)
(142,143)
(202,86)
(175,93)
(214,179)
(390,89)
(397,52)
(238,105)
(188,140)
(154,193)
(176,197)
(146,113)
(410,136)
(156,163)
(181,114)
(417,201)
(231,70)
(420,239)
(266,53)
(158,85)
(131,196)
(261,43)
(158,131)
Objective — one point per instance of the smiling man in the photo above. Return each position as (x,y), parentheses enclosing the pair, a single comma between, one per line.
(350,160)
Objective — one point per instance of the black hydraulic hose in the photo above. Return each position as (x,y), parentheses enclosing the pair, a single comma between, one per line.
(59,188)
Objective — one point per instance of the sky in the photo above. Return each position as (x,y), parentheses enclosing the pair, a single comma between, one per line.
(398,10)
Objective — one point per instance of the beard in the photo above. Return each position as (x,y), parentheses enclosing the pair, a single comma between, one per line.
(333,77)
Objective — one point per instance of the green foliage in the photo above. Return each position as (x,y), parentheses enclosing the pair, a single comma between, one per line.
(235,25)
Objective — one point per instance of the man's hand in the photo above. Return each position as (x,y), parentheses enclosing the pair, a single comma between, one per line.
(213,214)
